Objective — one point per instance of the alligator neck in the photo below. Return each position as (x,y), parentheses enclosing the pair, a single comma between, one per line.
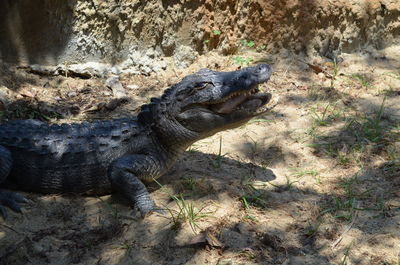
(174,136)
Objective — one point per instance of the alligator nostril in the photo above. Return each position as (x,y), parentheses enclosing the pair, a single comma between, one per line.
(264,67)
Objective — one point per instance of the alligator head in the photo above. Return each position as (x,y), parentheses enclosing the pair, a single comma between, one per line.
(207,102)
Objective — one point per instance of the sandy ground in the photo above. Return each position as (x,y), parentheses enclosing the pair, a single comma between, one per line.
(315,181)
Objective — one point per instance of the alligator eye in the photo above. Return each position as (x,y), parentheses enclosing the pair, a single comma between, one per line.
(201,86)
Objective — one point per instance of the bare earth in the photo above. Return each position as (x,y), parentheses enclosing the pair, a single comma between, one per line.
(315,181)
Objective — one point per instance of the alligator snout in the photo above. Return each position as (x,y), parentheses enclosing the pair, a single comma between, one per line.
(263,70)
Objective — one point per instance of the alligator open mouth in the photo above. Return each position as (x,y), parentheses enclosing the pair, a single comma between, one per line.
(250,100)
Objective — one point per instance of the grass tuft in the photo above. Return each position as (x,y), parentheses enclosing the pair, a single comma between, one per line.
(364,80)
(187,213)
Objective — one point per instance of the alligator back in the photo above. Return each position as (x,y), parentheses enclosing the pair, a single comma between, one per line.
(68,157)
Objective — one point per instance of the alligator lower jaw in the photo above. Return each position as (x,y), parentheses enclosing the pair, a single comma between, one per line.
(250,101)
(256,106)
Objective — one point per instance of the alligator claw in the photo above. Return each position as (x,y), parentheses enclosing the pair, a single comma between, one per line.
(11,200)
(143,212)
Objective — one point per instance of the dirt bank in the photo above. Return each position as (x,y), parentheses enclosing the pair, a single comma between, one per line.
(54,32)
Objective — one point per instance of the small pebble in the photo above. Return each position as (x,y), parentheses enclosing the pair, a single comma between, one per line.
(71,94)
(133,87)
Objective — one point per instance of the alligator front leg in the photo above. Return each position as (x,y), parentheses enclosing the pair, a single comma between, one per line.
(125,174)
(8,198)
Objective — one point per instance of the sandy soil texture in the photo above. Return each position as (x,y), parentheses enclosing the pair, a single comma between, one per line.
(315,181)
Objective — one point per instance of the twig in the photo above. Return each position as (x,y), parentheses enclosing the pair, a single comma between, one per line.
(317,69)
(334,244)
(337,241)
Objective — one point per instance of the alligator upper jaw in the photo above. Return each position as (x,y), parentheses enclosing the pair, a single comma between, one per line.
(250,101)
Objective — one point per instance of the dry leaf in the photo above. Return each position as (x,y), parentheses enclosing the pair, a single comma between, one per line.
(206,238)
(28,93)
(213,241)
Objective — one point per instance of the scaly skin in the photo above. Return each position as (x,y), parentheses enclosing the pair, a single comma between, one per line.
(119,155)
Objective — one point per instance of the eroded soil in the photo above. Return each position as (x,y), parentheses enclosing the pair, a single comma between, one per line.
(315,181)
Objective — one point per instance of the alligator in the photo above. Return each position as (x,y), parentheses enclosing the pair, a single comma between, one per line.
(121,155)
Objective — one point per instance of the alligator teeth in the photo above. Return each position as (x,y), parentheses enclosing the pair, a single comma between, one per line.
(237,93)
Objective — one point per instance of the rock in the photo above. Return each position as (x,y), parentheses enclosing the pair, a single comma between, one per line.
(132,87)
(184,56)
(146,69)
(39,69)
(84,70)
(142,63)
(152,54)
(225,262)
(115,102)
(71,94)
(116,87)
(161,65)
(115,70)
(168,44)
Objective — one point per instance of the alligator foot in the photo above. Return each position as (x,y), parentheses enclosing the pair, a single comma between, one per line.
(11,200)
(145,210)
(124,174)
(144,206)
